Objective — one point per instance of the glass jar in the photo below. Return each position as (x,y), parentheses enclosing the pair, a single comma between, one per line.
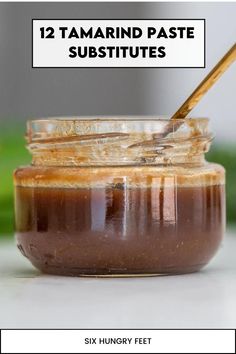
(119,197)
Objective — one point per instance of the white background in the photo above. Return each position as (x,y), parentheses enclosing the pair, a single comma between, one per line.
(166,341)
(180,52)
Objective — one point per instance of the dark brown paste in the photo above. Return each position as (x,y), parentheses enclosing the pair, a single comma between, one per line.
(118,230)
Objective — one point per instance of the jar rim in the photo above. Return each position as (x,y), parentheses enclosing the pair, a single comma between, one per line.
(41,130)
(60,127)
(111,118)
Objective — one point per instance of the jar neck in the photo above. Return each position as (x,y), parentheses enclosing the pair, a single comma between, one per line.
(112,153)
(63,161)
(121,143)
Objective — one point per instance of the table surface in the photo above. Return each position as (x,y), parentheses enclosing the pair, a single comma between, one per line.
(206,299)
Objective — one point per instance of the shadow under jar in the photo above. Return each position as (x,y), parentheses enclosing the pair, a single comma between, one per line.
(119,197)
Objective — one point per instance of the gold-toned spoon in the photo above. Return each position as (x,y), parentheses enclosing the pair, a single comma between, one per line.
(206,84)
(199,92)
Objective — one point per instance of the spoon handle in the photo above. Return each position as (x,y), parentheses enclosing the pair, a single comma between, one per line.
(206,84)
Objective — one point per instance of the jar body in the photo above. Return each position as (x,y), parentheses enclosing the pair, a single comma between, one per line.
(119,220)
